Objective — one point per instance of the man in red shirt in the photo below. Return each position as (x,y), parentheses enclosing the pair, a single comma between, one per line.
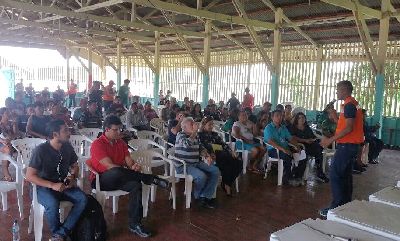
(248,99)
(111,159)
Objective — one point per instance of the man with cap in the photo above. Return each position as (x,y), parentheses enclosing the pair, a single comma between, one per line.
(108,95)
(233,102)
(248,99)
(123,92)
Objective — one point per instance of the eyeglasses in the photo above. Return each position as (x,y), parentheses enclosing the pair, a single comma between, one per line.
(117,129)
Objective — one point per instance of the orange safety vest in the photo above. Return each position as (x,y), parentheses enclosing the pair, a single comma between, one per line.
(356,136)
(108,94)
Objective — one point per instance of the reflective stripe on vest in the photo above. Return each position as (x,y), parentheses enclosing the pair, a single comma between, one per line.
(356,136)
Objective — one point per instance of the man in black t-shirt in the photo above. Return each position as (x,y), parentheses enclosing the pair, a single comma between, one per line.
(174,126)
(52,168)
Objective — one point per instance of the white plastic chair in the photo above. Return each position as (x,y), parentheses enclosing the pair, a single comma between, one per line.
(16,185)
(90,133)
(151,135)
(146,159)
(81,147)
(24,148)
(188,178)
(244,152)
(101,196)
(146,144)
(37,212)
(327,153)
(158,125)
(269,161)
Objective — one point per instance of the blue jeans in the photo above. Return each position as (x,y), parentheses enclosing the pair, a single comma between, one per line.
(50,200)
(205,178)
(341,173)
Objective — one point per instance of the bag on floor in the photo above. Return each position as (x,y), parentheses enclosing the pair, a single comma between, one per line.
(91,225)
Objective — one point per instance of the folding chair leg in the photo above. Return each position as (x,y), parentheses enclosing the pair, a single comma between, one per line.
(188,190)
(245,157)
(237,184)
(20,202)
(30,221)
(38,222)
(115,204)
(4,201)
(153,193)
(145,198)
(280,172)
(173,190)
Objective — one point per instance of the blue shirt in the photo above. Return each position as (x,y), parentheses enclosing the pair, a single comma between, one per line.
(279,135)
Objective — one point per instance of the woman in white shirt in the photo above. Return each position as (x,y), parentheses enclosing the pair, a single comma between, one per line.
(245,130)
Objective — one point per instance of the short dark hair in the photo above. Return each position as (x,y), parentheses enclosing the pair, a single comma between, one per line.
(296,118)
(117,97)
(111,120)
(275,112)
(54,126)
(279,107)
(347,84)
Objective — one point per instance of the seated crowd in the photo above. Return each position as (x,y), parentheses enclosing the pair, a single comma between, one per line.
(199,138)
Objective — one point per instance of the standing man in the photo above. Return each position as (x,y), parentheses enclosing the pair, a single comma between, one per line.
(72,90)
(248,99)
(95,94)
(53,168)
(108,95)
(124,92)
(349,135)
(233,102)
(118,171)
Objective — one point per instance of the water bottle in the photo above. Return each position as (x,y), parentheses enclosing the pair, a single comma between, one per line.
(15,231)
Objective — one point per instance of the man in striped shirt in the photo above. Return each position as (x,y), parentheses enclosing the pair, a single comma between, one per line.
(205,174)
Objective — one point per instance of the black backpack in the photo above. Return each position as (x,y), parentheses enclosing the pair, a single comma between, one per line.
(91,226)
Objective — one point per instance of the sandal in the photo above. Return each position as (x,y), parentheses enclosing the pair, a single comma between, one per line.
(7,179)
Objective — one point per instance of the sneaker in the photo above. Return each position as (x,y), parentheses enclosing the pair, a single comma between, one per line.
(161,182)
(373,162)
(322,177)
(139,230)
(324,212)
(207,203)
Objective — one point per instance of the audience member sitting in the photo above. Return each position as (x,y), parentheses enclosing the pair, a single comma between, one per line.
(22,120)
(278,137)
(233,102)
(212,111)
(53,168)
(61,113)
(196,113)
(36,126)
(166,111)
(118,171)
(261,124)
(266,109)
(244,129)
(233,117)
(9,131)
(287,118)
(375,144)
(280,107)
(149,112)
(205,174)
(328,125)
(108,95)
(250,115)
(302,132)
(20,107)
(91,118)
(174,126)
(226,160)
(186,104)
(116,108)
(136,119)
(83,107)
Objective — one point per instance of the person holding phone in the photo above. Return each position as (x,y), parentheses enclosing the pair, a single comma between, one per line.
(53,168)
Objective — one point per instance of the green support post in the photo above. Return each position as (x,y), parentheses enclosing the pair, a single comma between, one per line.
(206,82)
(378,109)
(274,90)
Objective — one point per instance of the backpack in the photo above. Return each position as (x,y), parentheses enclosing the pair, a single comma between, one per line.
(91,226)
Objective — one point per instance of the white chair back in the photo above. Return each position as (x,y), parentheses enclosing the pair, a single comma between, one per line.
(80,144)
(25,148)
(146,144)
(151,135)
(90,133)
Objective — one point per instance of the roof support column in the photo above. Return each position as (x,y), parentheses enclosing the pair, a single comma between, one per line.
(318,71)
(156,88)
(90,68)
(206,73)
(276,58)
(119,56)
(128,67)
(380,76)
(249,67)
